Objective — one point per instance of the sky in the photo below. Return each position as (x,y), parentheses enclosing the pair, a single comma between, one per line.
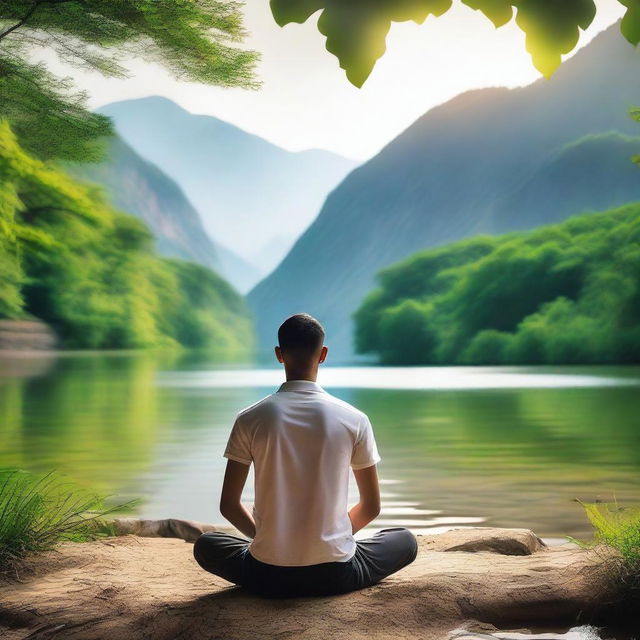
(306,101)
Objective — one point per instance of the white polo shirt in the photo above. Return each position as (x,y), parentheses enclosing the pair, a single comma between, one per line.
(302,441)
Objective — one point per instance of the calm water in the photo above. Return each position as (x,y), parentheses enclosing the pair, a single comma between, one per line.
(459,446)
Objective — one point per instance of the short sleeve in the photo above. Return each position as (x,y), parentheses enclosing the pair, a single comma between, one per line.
(365,450)
(239,443)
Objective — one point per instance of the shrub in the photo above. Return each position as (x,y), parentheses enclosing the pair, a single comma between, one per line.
(487,347)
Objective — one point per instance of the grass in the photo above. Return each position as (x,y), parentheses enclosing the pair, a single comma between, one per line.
(38,512)
(617,527)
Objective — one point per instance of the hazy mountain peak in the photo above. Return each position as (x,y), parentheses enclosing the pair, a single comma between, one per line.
(236,180)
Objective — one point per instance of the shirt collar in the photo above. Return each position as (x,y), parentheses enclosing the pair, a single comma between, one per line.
(300,385)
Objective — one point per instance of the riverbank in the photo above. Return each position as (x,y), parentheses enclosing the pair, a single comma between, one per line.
(137,587)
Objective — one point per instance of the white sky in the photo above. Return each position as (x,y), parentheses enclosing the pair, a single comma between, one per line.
(306,100)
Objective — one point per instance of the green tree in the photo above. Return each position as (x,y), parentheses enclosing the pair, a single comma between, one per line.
(356,31)
(194,39)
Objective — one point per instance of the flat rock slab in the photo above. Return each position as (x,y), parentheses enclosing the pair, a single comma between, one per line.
(187,530)
(132,587)
(509,542)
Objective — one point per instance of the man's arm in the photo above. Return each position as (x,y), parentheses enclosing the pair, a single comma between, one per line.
(368,507)
(231,507)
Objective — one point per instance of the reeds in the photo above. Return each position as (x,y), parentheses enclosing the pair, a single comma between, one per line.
(617,527)
(38,512)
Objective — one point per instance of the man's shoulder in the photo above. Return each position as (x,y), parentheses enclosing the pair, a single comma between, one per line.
(343,406)
(257,407)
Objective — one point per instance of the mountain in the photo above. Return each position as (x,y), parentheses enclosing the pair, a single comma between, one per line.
(247,190)
(138,187)
(589,174)
(468,166)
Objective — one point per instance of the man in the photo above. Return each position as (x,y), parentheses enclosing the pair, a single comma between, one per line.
(302,441)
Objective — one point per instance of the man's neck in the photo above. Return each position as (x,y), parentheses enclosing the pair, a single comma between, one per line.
(312,376)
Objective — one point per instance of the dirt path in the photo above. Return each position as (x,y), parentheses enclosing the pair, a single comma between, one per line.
(133,587)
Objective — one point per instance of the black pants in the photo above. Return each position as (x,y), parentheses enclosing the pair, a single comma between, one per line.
(228,556)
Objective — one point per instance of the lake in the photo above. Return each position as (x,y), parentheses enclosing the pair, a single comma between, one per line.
(487,446)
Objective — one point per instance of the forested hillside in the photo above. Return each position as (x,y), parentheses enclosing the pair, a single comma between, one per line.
(490,160)
(90,271)
(565,293)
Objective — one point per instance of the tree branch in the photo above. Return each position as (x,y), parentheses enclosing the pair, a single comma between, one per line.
(29,13)
(21,21)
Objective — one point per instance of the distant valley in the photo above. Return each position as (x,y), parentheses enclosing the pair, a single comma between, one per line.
(253,197)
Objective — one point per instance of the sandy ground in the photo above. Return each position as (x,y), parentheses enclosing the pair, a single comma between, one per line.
(132,587)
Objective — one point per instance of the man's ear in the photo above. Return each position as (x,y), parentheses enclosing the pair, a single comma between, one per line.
(323,354)
(278,354)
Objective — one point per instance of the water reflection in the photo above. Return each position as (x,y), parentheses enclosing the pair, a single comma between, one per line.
(497,446)
(443,378)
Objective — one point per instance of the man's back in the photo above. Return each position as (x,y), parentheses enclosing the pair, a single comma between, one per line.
(302,441)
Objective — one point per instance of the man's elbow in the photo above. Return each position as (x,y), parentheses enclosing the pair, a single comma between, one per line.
(372,510)
(227,508)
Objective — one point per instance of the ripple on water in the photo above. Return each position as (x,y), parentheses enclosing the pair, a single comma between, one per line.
(407,511)
(428,521)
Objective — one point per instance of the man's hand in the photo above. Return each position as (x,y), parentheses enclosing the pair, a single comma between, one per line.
(231,507)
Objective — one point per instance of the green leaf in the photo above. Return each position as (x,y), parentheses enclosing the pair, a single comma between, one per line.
(356,31)
(498,11)
(356,40)
(630,25)
(286,11)
(552,28)
(416,10)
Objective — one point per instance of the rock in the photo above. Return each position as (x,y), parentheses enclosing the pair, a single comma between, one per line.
(508,542)
(138,588)
(575,633)
(169,528)
(28,335)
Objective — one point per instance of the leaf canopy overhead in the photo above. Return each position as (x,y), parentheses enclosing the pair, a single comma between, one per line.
(356,29)
(195,40)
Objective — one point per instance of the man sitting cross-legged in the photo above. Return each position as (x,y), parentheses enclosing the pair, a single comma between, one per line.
(302,442)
